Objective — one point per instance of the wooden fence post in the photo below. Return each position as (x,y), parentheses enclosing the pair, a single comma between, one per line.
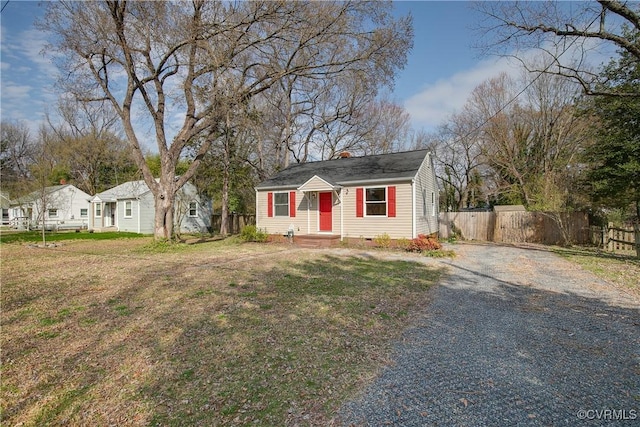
(610,242)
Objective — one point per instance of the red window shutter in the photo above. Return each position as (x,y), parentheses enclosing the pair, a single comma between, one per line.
(292,204)
(391,196)
(359,202)
(269,204)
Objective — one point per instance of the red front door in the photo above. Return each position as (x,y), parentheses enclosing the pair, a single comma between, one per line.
(326,203)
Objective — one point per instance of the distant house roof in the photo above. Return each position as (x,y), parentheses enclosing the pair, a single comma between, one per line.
(509,208)
(128,190)
(37,194)
(350,170)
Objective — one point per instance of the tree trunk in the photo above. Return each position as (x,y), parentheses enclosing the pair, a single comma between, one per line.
(636,229)
(226,159)
(164,206)
(224,219)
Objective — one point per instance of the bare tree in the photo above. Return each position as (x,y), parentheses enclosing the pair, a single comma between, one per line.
(569,32)
(530,142)
(459,159)
(17,154)
(89,147)
(191,61)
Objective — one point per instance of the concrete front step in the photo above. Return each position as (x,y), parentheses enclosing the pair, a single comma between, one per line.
(316,241)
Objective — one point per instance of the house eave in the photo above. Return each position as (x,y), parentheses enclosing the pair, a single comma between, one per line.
(328,186)
(406,179)
(341,184)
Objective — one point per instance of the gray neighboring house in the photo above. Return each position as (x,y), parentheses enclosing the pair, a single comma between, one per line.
(130,207)
(352,197)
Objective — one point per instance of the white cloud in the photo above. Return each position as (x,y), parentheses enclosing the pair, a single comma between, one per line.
(12,92)
(436,102)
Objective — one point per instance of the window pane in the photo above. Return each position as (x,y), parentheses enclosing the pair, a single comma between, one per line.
(193,209)
(282,210)
(376,209)
(282,198)
(376,195)
(83,213)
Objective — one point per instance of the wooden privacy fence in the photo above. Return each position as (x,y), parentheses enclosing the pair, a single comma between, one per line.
(614,239)
(236,222)
(517,227)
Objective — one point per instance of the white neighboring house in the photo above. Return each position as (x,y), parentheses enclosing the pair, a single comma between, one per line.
(5,205)
(65,206)
(130,207)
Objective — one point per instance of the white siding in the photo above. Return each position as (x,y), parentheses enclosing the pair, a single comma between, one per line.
(281,224)
(315,184)
(426,186)
(369,227)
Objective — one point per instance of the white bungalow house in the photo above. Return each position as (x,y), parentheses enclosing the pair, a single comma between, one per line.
(58,207)
(130,207)
(352,198)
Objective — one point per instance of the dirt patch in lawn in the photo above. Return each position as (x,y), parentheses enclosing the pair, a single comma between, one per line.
(123,332)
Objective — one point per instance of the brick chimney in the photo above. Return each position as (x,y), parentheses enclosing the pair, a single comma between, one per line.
(345,155)
(63,181)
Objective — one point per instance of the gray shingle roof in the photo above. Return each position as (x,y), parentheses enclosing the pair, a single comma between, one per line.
(128,190)
(393,166)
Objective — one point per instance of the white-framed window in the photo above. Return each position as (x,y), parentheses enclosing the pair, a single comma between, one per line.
(127,209)
(84,212)
(281,204)
(53,213)
(193,209)
(375,201)
(98,210)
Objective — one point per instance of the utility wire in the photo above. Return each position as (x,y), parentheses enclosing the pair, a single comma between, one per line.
(3,6)
(512,100)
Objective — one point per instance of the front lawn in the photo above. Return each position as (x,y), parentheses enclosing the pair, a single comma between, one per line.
(8,236)
(219,333)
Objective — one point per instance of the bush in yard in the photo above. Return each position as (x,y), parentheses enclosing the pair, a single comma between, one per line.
(251,233)
(382,241)
(423,243)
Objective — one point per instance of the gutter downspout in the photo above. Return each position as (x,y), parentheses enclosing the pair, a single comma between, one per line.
(139,231)
(308,196)
(340,197)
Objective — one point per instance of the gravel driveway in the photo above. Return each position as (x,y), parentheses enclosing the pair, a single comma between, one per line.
(513,336)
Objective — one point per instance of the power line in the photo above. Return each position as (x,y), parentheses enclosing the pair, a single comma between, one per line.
(5,5)
(512,100)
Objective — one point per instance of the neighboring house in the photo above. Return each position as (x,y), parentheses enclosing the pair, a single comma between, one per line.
(60,206)
(352,197)
(130,207)
(5,205)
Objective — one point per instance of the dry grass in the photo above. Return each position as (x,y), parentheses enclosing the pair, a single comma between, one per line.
(123,332)
(621,270)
